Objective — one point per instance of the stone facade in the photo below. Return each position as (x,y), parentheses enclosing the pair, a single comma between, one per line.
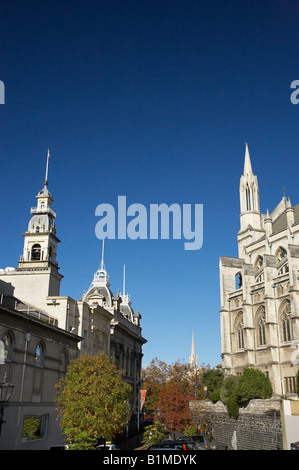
(258,427)
(260,290)
(34,354)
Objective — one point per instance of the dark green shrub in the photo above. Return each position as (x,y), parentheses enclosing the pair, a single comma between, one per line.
(212,379)
(229,387)
(253,383)
(214,396)
(232,407)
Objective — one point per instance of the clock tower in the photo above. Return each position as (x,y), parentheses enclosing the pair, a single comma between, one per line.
(37,275)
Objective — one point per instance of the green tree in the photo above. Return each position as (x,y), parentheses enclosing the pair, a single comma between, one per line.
(229,388)
(154,433)
(213,380)
(92,401)
(253,383)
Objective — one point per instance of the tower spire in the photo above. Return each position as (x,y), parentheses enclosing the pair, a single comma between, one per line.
(193,358)
(247,162)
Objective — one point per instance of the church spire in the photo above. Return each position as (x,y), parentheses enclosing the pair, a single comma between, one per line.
(249,196)
(193,358)
(247,162)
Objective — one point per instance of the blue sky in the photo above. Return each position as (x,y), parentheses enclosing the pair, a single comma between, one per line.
(153,100)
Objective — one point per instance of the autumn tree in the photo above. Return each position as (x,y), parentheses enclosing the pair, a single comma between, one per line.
(92,401)
(155,375)
(174,407)
(158,373)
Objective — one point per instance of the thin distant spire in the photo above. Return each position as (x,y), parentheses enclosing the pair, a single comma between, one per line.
(102,260)
(124,281)
(247,162)
(47,166)
(193,358)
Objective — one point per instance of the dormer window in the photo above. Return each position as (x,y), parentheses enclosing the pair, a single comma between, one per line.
(258,264)
(280,254)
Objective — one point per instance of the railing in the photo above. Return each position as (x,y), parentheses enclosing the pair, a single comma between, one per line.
(20,307)
(43,210)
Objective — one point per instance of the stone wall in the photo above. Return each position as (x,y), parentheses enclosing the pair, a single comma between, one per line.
(258,427)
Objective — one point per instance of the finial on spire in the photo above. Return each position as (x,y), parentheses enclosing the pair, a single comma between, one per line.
(47,167)
(124,281)
(102,261)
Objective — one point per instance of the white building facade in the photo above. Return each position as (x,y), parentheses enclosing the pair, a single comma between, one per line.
(259,290)
(98,322)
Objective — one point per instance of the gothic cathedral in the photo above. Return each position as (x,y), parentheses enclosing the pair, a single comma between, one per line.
(259,290)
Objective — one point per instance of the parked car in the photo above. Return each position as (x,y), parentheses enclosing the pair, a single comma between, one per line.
(203,440)
(176,445)
(295,445)
(60,447)
(107,447)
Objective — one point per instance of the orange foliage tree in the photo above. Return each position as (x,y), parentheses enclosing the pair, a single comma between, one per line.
(174,408)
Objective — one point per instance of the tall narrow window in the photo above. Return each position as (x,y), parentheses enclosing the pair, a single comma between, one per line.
(38,359)
(261,330)
(287,323)
(238,281)
(7,346)
(248,197)
(240,333)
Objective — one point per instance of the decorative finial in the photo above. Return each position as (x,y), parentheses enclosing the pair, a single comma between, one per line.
(47,167)
(124,281)
(102,261)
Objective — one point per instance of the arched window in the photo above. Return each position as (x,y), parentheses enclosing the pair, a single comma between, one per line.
(284,269)
(260,278)
(287,322)
(240,332)
(280,254)
(248,198)
(37,229)
(39,355)
(7,346)
(238,281)
(63,361)
(258,263)
(36,252)
(261,326)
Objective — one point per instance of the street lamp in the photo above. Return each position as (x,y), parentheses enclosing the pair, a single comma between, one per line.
(158,413)
(5,393)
